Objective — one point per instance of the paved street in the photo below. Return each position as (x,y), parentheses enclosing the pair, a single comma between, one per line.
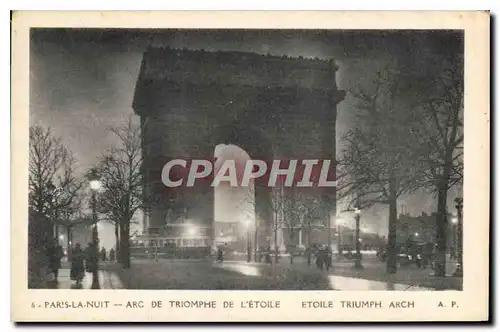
(372,277)
(207,274)
(336,282)
(239,274)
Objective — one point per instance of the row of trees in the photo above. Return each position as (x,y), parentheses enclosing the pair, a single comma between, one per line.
(292,209)
(54,187)
(59,191)
(409,136)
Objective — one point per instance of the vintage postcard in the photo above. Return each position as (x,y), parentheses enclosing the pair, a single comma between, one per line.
(250,166)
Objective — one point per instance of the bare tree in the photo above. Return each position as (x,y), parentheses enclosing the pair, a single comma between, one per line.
(121,174)
(278,220)
(302,211)
(293,219)
(276,206)
(379,161)
(441,138)
(54,188)
(292,211)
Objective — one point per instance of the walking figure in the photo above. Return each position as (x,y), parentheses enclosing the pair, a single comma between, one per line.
(319,258)
(112,254)
(77,272)
(323,258)
(220,253)
(103,254)
(268,255)
(91,258)
(55,254)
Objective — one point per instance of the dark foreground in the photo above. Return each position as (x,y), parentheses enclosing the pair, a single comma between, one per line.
(240,275)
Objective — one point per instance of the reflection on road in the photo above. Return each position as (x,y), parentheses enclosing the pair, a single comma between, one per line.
(244,269)
(66,283)
(356,284)
(336,282)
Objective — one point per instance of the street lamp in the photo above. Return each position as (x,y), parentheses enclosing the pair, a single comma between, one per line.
(247,223)
(54,193)
(357,262)
(95,185)
(339,238)
(454,222)
(459,206)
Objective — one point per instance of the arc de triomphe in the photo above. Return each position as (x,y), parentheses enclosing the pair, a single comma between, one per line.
(189,101)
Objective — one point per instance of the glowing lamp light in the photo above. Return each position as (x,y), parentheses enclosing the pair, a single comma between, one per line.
(416,234)
(95,184)
(61,237)
(192,230)
(454,220)
(247,222)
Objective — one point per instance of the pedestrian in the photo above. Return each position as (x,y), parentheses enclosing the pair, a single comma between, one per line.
(268,255)
(220,254)
(320,258)
(103,254)
(91,258)
(112,254)
(77,271)
(55,253)
(328,258)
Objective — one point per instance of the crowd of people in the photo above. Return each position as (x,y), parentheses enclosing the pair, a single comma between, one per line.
(81,260)
(323,256)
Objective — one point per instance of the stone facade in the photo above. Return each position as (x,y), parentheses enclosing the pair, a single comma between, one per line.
(272,107)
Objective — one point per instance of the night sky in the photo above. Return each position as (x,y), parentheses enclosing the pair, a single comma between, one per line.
(83,81)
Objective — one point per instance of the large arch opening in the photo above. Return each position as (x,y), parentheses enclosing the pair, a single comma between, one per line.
(234,206)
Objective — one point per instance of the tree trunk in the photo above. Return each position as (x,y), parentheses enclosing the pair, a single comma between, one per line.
(124,245)
(391,267)
(309,253)
(442,212)
(441,226)
(117,241)
(276,245)
(68,235)
(256,243)
(69,242)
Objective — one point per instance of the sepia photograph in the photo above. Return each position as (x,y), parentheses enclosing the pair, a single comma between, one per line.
(236,159)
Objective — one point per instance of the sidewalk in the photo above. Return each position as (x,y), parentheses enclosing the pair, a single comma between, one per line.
(108,279)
